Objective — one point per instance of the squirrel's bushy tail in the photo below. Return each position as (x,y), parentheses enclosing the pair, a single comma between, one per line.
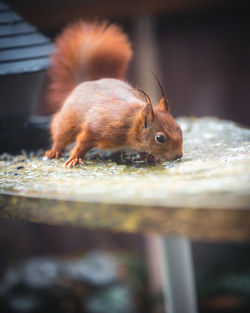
(86,51)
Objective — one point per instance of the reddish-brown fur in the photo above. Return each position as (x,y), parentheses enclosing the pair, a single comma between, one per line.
(106,113)
(86,51)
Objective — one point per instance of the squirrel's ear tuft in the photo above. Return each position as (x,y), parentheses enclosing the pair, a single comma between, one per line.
(164,104)
(147,115)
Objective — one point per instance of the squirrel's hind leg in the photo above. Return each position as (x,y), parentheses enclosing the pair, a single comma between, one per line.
(63,133)
(84,143)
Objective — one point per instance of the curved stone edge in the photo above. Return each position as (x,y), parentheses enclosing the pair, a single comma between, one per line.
(196,224)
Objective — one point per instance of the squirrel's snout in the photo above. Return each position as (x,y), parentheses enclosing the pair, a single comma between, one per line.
(179,155)
(173,156)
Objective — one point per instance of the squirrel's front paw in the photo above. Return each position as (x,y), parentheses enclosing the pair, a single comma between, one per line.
(73,162)
(53,154)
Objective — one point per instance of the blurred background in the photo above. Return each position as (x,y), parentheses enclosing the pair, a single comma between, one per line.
(200,49)
(201,52)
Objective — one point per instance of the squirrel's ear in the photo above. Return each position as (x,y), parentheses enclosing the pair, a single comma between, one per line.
(147,114)
(164,104)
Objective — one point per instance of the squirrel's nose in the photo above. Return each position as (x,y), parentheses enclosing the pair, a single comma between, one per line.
(178,156)
(173,156)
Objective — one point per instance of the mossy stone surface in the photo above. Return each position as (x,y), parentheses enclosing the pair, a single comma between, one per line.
(205,195)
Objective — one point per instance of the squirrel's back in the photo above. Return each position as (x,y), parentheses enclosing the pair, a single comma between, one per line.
(86,51)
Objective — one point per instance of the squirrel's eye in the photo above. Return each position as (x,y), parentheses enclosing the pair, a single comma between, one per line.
(160,138)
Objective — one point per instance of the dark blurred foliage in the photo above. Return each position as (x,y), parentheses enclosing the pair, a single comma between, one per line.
(64,269)
(222,277)
(96,283)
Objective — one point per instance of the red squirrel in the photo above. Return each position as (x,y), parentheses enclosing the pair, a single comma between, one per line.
(95,106)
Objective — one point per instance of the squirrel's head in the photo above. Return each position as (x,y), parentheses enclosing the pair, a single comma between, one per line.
(161,135)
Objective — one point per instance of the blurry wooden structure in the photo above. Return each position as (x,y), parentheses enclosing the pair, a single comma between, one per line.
(203,46)
(24,59)
(49,14)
